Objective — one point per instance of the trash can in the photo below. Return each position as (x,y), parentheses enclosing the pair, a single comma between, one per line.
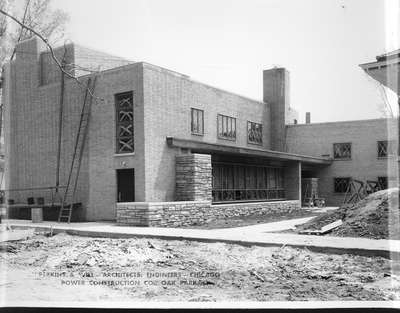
(37,215)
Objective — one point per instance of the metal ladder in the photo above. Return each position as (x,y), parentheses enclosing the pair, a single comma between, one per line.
(67,203)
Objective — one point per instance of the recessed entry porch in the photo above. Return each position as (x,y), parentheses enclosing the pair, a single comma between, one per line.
(217,181)
(246,179)
(245,174)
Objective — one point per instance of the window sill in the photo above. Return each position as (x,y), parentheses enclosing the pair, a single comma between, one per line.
(387,157)
(255,143)
(198,134)
(229,139)
(344,159)
(124,154)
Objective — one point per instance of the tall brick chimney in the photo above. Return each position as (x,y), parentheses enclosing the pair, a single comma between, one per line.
(276,94)
(308,117)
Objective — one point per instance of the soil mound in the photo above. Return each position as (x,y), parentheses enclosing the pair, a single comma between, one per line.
(375,217)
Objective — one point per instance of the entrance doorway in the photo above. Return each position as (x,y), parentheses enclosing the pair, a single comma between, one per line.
(126,185)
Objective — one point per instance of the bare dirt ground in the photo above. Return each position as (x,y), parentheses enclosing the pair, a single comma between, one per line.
(72,268)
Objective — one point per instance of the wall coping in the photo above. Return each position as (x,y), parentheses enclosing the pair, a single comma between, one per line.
(251,203)
(163,203)
(205,202)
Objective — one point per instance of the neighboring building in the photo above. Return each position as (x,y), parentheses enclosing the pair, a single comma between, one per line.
(163,149)
(385,70)
(361,150)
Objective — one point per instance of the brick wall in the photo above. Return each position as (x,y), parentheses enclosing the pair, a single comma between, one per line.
(168,97)
(103,160)
(96,60)
(49,72)
(276,93)
(292,181)
(186,213)
(318,139)
(162,103)
(83,58)
(193,177)
(31,127)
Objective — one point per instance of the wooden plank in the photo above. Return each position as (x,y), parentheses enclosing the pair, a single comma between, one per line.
(323,230)
(331,226)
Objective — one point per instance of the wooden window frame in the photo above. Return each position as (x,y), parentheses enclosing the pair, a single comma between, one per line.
(249,125)
(340,144)
(228,125)
(127,140)
(196,130)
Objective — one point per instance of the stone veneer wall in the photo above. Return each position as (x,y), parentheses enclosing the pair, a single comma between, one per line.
(193,177)
(256,208)
(186,213)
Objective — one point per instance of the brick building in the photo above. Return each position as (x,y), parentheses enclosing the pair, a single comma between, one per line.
(163,149)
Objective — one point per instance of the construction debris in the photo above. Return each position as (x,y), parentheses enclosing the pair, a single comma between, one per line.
(376,217)
(8,238)
(358,190)
(180,270)
(16,234)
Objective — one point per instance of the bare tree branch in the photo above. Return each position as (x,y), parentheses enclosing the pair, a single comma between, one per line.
(22,29)
(61,67)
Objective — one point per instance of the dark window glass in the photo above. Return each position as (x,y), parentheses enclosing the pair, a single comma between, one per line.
(124,122)
(382,149)
(341,184)
(342,150)
(383,182)
(197,121)
(240,182)
(226,127)
(254,133)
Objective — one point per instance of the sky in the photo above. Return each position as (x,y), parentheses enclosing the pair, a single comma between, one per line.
(228,43)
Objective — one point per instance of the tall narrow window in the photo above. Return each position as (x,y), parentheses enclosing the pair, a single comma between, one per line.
(197,124)
(226,127)
(383,149)
(342,150)
(254,133)
(124,119)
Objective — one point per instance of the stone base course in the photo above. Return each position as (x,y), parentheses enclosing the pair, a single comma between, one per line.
(186,213)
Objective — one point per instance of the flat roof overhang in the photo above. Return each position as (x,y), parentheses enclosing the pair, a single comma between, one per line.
(385,71)
(205,147)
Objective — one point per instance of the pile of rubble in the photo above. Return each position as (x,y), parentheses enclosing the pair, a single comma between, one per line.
(375,217)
